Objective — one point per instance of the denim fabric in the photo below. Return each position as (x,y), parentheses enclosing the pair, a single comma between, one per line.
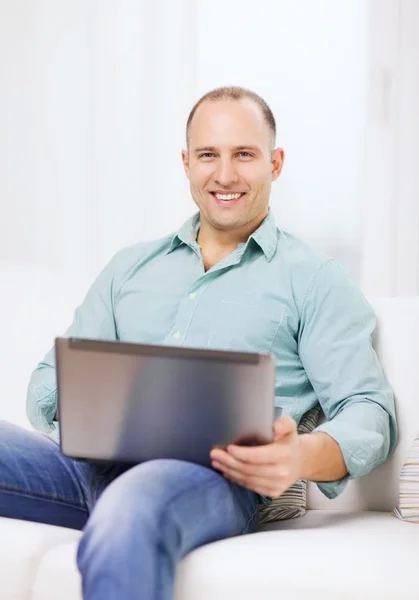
(138,522)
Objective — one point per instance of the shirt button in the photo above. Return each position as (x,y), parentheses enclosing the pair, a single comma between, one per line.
(192,296)
(177,335)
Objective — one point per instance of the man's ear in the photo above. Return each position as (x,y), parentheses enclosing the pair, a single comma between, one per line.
(278,157)
(185,160)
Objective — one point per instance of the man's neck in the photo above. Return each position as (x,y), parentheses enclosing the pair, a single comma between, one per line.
(216,244)
(213,246)
(218,241)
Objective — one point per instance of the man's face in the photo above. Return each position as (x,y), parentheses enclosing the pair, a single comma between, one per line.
(230,163)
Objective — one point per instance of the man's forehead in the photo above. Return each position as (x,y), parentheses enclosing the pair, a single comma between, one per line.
(228,123)
(231,114)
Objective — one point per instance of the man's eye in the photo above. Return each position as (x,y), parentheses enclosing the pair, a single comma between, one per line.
(206,155)
(245,154)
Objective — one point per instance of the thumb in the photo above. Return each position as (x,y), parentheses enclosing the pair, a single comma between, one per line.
(283,426)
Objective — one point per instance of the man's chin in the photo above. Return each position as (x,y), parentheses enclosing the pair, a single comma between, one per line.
(226,222)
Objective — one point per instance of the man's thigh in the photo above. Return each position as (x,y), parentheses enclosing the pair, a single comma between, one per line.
(164,492)
(149,517)
(38,483)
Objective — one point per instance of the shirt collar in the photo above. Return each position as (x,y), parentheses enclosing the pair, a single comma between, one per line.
(186,234)
(266,235)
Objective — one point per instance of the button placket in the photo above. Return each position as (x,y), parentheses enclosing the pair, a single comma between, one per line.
(187,308)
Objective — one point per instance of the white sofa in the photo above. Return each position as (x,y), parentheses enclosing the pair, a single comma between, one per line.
(348,548)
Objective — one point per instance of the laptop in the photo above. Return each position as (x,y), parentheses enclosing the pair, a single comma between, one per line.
(128,403)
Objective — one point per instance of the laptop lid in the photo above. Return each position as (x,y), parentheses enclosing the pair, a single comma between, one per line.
(125,402)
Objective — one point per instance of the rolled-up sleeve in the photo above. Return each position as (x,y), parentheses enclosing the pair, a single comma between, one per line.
(335,347)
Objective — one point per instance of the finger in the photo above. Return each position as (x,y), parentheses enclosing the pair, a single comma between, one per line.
(266,454)
(284,426)
(226,460)
(260,485)
(228,463)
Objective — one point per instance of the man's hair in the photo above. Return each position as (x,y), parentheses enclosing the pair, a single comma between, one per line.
(235,93)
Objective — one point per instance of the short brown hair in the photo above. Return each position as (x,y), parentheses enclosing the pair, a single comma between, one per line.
(235,93)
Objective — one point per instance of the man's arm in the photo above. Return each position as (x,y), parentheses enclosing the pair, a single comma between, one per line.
(94,318)
(336,350)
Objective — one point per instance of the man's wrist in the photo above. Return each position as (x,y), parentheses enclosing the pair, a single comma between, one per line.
(320,458)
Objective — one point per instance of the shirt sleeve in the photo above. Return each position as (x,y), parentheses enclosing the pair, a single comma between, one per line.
(93,319)
(335,347)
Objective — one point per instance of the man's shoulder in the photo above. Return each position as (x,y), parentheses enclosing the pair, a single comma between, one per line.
(299,256)
(141,249)
(311,271)
(128,257)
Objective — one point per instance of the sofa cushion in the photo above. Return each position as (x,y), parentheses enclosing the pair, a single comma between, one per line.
(23,546)
(408,508)
(327,555)
(58,565)
(330,555)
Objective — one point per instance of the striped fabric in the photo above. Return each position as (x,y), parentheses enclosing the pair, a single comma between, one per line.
(292,503)
(408,508)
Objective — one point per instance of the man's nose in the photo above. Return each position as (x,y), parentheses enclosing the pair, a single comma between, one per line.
(225,173)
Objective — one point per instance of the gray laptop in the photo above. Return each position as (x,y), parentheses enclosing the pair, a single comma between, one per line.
(126,402)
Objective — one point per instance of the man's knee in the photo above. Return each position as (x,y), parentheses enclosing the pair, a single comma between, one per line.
(161,500)
(154,483)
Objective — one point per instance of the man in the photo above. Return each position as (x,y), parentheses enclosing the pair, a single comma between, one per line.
(229,279)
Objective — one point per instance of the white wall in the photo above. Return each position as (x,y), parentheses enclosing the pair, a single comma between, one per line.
(16,122)
(390,263)
(97,97)
(307,58)
(94,96)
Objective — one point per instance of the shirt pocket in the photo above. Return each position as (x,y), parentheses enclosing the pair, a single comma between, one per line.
(245,324)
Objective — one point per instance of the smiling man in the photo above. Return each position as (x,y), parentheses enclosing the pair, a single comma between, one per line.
(231,164)
(228,279)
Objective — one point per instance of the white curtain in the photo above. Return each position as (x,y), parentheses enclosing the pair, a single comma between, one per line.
(391,223)
(94,95)
(94,98)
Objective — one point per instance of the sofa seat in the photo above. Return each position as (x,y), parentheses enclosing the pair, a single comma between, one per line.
(326,554)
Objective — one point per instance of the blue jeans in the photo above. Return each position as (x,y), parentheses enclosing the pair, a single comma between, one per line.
(137,522)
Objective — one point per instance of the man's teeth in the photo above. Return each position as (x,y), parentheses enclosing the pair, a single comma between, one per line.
(228,196)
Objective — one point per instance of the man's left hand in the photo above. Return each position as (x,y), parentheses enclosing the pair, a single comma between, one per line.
(269,469)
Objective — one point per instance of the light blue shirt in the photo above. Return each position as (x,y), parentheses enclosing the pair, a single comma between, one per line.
(273,293)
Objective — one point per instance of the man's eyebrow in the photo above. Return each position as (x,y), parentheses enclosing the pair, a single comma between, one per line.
(205,149)
(254,148)
(235,148)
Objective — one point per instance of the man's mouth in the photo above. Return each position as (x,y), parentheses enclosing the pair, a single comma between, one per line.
(231,197)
